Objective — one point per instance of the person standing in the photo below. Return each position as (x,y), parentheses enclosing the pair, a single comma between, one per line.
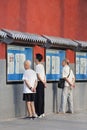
(67,92)
(30,83)
(39,103)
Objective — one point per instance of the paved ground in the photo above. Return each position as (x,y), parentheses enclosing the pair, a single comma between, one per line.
(77,121)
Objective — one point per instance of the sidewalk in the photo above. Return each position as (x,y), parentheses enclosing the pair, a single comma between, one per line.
(77,121)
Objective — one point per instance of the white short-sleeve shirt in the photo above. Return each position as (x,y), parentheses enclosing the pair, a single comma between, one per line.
(31,76)
(40,70)
(67,71)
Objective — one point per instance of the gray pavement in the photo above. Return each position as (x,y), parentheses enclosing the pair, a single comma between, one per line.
(77,121)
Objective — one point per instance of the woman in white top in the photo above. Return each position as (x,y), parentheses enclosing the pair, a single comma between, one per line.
(30,83)
(39,104)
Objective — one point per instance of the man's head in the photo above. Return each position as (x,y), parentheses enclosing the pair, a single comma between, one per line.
(65,62)
(27,64)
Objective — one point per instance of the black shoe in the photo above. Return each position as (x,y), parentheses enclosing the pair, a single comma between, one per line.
(69,112)
(28,117)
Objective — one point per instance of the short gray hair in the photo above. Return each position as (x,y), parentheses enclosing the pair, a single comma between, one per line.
(27,61)
(67,61)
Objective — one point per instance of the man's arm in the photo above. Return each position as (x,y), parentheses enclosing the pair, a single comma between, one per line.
(71,84)
(27,83)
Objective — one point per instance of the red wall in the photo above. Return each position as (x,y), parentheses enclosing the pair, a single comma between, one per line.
(2,51)
(70,55)
(40,50)
(63,18)
(75,19)
(34,16)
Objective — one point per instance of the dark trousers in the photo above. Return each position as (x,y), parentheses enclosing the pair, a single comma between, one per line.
(39,100)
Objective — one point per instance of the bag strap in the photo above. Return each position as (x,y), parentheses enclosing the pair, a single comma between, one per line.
(69,73)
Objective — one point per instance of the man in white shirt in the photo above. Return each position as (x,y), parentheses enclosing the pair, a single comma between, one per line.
(67,92)
(30,83)
(39,104)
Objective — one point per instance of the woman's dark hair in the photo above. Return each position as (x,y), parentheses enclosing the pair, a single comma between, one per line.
(39,57)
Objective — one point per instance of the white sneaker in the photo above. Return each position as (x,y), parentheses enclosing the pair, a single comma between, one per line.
(35,115)
(42,115)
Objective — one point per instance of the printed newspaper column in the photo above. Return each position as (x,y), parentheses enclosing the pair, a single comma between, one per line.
(10,63)
(20,58)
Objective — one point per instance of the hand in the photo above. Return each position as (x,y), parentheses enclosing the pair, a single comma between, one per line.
(44,84)
(34,89)
(73,85)
(31,89)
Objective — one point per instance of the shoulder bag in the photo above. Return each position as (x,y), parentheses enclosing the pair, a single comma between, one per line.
(61,83)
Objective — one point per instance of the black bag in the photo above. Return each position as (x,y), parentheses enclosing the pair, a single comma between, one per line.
(61,83)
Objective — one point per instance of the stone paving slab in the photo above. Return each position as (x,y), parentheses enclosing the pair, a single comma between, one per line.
(77,121)
(76,117)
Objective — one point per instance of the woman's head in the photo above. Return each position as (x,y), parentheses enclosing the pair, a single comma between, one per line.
(39,58)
